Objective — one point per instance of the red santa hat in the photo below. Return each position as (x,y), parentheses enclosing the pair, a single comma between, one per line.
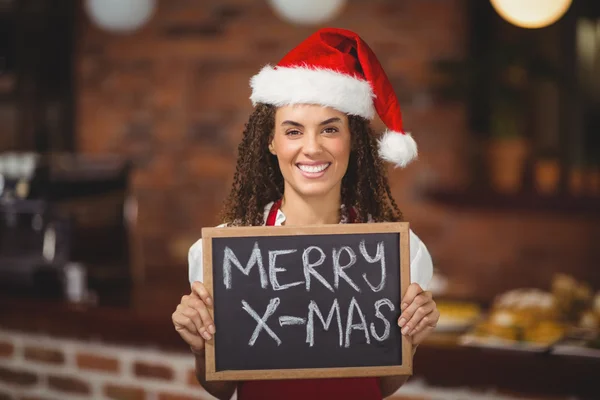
(336,68)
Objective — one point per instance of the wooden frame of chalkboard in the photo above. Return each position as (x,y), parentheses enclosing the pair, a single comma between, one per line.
(398,358)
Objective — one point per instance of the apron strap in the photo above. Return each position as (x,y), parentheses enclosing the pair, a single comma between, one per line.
(351,215)
(273,213)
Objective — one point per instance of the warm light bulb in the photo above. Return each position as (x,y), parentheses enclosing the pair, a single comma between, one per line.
(307,12)
(531,13)
(122,16)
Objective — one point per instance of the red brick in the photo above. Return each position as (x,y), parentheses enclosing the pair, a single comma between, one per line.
(156,371)
(118,392)
(68,384)
(174,396)
(45,355)
(191,378)
(97,362)
(6,349)
(17,377)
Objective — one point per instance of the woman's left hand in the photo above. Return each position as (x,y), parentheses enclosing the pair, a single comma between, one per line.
(419,314)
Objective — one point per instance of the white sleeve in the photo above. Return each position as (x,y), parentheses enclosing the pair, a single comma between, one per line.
(421,265)
(195,269)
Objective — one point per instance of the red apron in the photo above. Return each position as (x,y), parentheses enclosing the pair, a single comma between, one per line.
(309,389)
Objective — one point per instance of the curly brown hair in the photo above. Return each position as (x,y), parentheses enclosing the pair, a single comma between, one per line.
(258,180)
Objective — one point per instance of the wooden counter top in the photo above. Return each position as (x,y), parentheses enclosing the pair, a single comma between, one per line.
(146,321)
(443,362)
(138,317)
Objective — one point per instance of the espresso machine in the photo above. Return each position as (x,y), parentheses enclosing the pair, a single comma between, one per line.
(63,226)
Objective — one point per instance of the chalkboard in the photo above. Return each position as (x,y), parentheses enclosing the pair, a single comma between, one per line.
(307,302)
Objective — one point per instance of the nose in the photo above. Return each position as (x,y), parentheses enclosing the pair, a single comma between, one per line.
(312,144)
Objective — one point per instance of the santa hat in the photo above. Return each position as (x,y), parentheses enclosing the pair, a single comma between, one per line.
(336,68)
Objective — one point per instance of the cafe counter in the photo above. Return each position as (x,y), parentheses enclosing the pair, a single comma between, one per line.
(145,322)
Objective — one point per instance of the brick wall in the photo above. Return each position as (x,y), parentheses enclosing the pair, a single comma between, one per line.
(39,367)
(36,367)
(174,98)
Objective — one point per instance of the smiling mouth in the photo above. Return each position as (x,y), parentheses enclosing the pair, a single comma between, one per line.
(313,169)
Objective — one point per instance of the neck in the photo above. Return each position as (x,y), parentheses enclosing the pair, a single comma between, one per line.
(316,210)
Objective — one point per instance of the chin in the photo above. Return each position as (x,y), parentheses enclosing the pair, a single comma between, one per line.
(314,190)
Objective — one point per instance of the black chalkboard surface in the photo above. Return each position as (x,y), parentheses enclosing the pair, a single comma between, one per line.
(298,302)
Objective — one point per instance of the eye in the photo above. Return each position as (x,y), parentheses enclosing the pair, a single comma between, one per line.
(293,132)
(331,130)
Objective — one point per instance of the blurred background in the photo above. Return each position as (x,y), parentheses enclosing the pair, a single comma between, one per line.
(119,122)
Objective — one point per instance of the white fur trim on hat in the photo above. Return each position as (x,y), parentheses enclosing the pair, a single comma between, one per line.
(281,86)
(397,148)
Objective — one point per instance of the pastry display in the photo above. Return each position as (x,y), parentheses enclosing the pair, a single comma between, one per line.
(571,297)
(536,317)
(596,303)
(522,315)
(456,315)
(581,309)
(590,320)
(545,332)
(528,305)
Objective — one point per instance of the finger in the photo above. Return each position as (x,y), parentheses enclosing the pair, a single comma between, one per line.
(183,323)
(417,316)
(200,290)
(193,316)
(191,339)
(413,291)
(207,322)
(187,330)
(417,301)
(428,320)
(420,336)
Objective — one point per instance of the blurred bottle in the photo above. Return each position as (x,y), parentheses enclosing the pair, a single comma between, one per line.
(75,281)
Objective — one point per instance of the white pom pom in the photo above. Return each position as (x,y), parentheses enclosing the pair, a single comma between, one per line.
(397,148)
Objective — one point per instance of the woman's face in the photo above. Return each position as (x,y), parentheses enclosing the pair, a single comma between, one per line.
(312,144)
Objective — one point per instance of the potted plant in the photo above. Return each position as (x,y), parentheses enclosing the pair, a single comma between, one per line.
(507,148)
(507,73)
(546,172)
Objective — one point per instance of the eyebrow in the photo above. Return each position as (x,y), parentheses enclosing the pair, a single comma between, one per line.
(299,125)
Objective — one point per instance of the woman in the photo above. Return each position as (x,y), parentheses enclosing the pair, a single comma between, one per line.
(308,156)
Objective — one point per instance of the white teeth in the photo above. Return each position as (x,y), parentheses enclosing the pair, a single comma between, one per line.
(313,168)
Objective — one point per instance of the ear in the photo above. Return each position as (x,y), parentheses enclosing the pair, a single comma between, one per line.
(272,149)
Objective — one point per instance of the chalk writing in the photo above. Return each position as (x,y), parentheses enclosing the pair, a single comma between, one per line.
(339,270)
(287,320)
(310,327)
(351,326)
(355,320)
(255,258)
(309,270)
(379,257)
(334,299)
(262,322)
(379,315)
(273,270)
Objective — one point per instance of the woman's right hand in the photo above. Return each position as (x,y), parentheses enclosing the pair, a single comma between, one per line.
(191,318)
